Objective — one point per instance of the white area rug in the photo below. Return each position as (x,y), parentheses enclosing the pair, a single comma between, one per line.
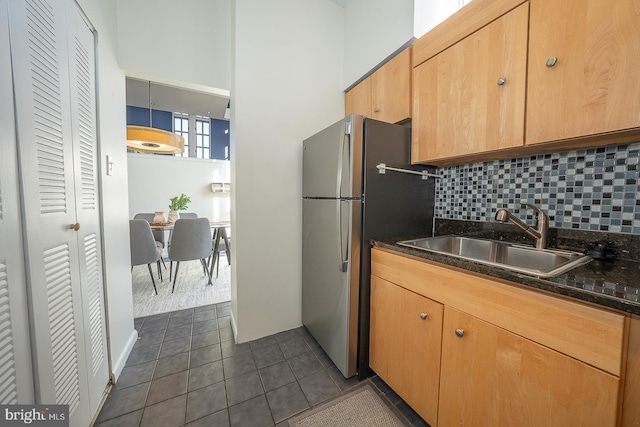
(191,288)
(360,408)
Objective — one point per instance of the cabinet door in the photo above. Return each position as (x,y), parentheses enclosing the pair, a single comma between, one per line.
(85,166)
(16,385)
(43,117)
(491,377)
(471,97)
(358,99)
(592,88)
(52,59)
(406,331)
(391,89)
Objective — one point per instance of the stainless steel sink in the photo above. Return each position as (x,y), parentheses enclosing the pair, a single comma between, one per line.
(514,257)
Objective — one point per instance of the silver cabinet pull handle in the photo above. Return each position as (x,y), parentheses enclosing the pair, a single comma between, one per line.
(552,61)
(460,332)
(423,316)
(501,81)
(375,110)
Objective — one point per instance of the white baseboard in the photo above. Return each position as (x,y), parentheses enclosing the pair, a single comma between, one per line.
(118,364)
(234,328)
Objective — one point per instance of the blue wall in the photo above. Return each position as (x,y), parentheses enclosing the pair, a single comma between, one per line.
(220,139)
(139,116)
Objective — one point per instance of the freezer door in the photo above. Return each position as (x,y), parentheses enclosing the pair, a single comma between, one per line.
(330,281)
(332,161)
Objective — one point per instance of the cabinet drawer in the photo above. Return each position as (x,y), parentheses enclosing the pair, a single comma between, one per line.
(590,334)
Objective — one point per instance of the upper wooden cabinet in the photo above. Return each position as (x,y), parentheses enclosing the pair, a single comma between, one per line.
(386,94)
(470,98)
(570,79)
(358,99)
(584,58)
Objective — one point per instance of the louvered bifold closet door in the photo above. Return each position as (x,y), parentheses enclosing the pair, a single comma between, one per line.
(16,379)
(85,143)
(40,59)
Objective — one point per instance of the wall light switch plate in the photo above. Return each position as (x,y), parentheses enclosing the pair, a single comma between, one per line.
(109,165)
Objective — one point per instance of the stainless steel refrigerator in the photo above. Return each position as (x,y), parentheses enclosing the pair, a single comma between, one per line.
(346,203)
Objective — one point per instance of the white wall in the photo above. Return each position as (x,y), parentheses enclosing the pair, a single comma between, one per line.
(184,41)
(153,180)
(374,29)
(292,60)
(287,86)
(292,51)
(115,212)
(428,14)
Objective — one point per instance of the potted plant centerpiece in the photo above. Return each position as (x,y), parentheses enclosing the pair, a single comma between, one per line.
(178,203)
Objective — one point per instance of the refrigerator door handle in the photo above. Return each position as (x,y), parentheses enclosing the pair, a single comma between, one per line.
(345,138)
(344,261)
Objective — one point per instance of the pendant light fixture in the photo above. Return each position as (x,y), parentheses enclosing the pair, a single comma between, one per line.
(151,140)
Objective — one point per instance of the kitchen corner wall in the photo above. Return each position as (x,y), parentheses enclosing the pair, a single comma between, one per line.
(287,85)
(374,29)
(594,189)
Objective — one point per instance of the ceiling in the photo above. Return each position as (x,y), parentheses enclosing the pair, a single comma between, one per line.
(170,98)
(340,2)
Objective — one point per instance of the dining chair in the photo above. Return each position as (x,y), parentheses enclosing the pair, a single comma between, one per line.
(220,233)
(182,215)
(191,240)
(144,248)
(157,234)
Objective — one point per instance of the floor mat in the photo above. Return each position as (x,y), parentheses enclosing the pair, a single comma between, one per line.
(360,408)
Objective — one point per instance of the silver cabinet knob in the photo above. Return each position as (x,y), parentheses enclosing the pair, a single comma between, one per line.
(501,81)
(460,332)
(552,61)
(375,110)
(423,316)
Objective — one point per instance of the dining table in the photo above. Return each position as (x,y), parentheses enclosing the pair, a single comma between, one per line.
(219,233)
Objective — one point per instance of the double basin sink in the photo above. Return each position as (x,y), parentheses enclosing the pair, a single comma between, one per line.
(509,256)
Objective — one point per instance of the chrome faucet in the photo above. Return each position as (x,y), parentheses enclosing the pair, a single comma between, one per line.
(541,228)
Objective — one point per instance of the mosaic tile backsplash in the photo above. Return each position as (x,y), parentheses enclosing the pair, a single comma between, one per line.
(595,189)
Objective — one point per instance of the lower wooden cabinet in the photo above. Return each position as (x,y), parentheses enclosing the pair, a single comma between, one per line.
(491,377)
(406,329)
(490,353)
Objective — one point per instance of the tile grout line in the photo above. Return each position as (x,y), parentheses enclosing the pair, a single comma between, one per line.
(263,388)
(293,333)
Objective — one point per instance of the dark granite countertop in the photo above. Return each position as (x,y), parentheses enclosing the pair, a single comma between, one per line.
(614,284)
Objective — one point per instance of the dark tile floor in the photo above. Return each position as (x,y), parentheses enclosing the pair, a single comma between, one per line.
(186,370)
